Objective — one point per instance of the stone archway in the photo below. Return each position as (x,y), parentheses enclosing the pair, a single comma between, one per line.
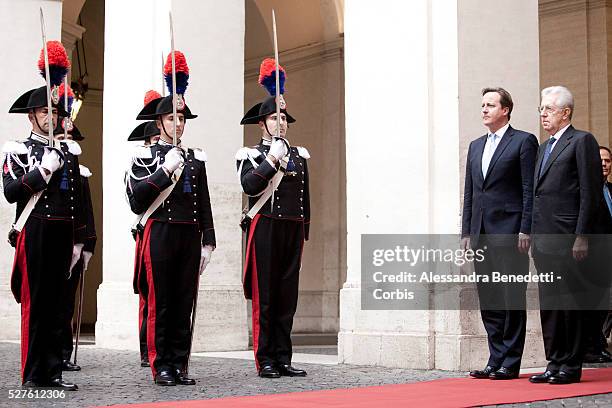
(312,51)
(83,24)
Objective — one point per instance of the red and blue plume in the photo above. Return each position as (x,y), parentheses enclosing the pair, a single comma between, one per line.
(58,62)
(267,76)
(182,72)
(70,97)
(151,95)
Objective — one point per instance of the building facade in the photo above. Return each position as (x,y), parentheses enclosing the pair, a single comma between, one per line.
(387,98)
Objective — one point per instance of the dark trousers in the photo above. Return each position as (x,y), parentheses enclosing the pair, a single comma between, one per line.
(276,260)
(172,259)
(503,305)
(595,342)
(68,298)
(563,323)
(143,312)
(42,257)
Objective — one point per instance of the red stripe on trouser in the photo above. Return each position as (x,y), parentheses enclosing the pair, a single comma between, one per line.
(20,260)
(251,262)
(146,247)
(141,305)
(137,264)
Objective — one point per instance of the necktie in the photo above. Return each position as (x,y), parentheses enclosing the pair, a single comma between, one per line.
(551,141)
(488,153)
(606,192)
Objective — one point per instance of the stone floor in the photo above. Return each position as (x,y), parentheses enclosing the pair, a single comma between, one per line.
(115,377)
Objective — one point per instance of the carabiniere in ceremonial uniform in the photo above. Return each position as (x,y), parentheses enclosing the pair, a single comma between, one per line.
(147,133)
(53,234)
(67,131)
(177,239)
(274,178)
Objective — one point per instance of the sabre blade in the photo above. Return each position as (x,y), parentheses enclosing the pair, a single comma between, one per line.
(163,92)
(47,79)
(79,315)
(65,106)
(174,99)
(278,119)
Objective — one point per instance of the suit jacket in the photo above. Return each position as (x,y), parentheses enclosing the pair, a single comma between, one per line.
(501,201)
(606,217)
(568,195)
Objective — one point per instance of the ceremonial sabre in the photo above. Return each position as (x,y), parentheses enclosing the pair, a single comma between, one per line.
(193,321)
(163,94)
(278,102)
(66,107)
(79,313)
(47,78)
(173,81)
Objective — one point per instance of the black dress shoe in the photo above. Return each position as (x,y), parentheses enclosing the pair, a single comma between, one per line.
(67,365)
(504,374)
(564,378)
(483,373)
(182,379)
(289,371)
(598,358)
(542,378)
(268,371)
(165,377)
(144,362)
(64,385)
(31,384)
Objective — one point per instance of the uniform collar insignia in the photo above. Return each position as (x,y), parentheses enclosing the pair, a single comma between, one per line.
(38,138)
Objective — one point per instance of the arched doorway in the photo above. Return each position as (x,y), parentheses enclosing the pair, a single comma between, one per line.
(311,50)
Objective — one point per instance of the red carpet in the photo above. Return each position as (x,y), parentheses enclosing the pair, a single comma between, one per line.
(451,392)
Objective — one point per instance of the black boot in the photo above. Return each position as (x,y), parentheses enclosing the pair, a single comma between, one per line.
(287,370)
(182,378)
(67,365)
(165,377)
(267,371)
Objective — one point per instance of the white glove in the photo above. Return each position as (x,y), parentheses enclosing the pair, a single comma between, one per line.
(278,149)
(86,258)
(50,161)
(173,160)
(76,255)
(205,257)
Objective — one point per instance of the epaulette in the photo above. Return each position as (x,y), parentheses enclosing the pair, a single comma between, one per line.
(246,152)
(73,147)
(200,155)
(302,151)
(142,152)
(15,147)
(85,172)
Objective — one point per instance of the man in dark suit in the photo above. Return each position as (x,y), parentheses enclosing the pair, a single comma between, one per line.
(606,163)
(596,344)
(566,207)
(497,218)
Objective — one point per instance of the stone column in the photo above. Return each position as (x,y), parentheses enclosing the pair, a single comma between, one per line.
(412,106)
(20,24)
(212,36)
(212,40)
(388,169)
(71,33)
(130,30)
(512,63)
